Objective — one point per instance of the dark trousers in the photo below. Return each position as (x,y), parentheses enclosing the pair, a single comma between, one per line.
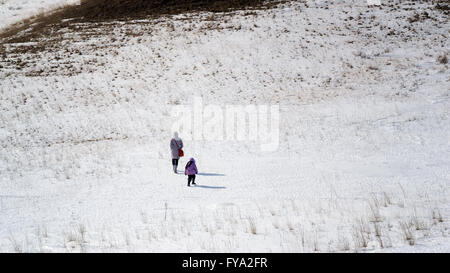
(191,178)
(175,162)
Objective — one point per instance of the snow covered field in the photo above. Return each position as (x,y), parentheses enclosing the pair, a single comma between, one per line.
(13,11)
(363,158)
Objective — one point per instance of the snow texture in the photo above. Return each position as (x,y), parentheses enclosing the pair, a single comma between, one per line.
(13,11)
(364,154)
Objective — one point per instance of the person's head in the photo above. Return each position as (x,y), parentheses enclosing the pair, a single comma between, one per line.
(175,135)
(192,159)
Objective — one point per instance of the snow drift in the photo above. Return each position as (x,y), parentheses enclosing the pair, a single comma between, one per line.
(363,159)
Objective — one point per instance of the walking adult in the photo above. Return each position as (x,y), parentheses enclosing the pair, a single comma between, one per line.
(176,146)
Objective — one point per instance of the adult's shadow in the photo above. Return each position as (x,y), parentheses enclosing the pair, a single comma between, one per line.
(211,174)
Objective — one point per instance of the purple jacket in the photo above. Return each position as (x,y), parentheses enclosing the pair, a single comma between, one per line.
(191,168)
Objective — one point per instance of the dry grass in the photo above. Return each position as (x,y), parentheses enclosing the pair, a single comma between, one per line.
(407,232)
(252,226)
(360,234)
(442,59)
(225,228)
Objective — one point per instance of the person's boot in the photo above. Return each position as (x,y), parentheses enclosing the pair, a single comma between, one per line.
(174,169)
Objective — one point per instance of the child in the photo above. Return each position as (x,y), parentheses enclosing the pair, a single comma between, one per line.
(191,171)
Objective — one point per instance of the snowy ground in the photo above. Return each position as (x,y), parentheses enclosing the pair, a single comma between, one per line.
(364,155)
(13,11)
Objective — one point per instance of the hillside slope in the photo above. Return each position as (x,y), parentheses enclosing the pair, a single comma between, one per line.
(363,159)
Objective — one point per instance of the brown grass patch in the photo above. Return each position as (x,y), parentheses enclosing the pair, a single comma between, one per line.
(52,34)
(106,10)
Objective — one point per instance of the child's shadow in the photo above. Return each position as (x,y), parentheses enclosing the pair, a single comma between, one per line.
(211,174)
(203,174)
(209,187)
